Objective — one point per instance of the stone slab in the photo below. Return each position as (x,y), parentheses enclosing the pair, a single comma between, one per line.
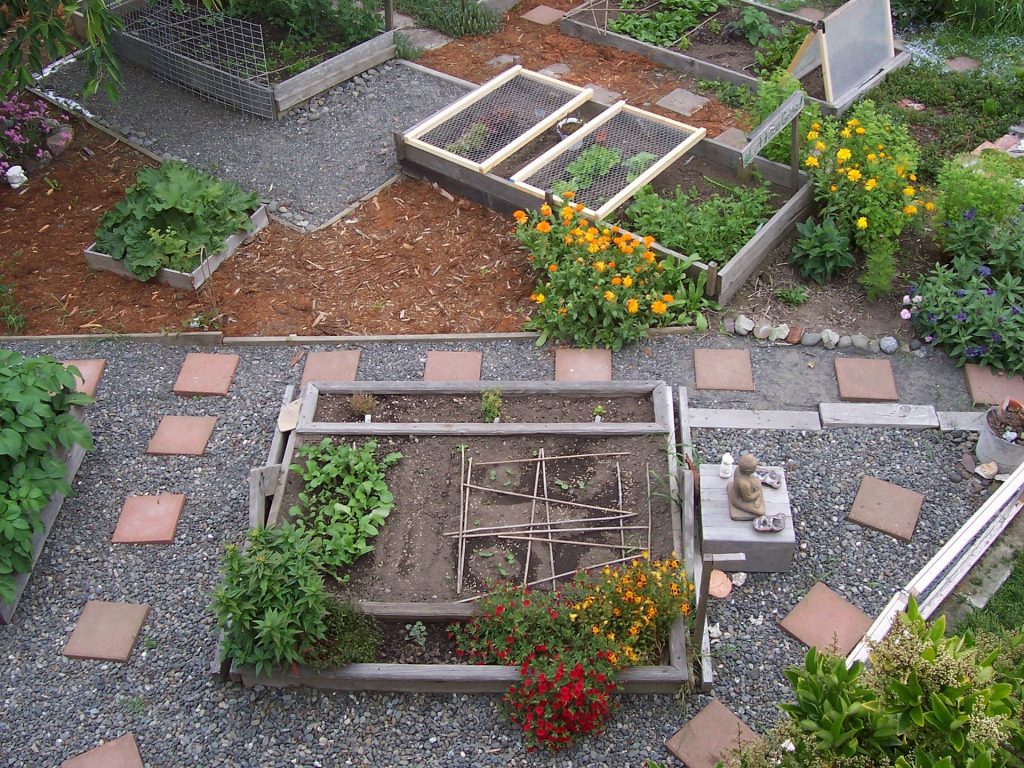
(878,415)
(886,507)
(962,64)
(824,620)
(967,420)
(865,380)
(544,14)
(583,364)
(812,14)
(340,365)
(989,387)
(710,736)
(683,102)
(453,366)
(182,435)
(556,70)
(91,371)
(723,369)
(603,95)
(204,373)
(149,519)
(106,631)
(119,753)
(732,137)
(731,418)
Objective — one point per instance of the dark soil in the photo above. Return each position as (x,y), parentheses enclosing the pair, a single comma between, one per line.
(1010,420)
(399,647)
(514,408)
(708,177)
(414,561)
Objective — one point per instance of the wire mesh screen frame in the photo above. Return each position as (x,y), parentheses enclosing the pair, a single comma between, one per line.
(532,179)
(218,57)
(551,101)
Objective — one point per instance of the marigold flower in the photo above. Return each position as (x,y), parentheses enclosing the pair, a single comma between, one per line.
(594,248)
(520,216)
(845,133)
(545,210)
(627,281)
(820,146)
(668,298)
(816,126)
(567,239)
(544,227)
(568,195)
(910,210)
(611,265)
(833,188)
(579,206)
(909,191)
(632,306)
(872,156)
(853,121)
(538,297)
(648,241)
(609,297)
(929,206)
(811,162)
(552,267)
(599,266)
(913,177)
(859,131)
(649,257)
(567,212)
(616,280)
(659,307)
(812,135)
(862,222)
(843,155)
(853,175)
(870,184)
(562,310)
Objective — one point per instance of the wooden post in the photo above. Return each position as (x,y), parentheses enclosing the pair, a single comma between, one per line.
(389,15)
(701,612)
(794,154)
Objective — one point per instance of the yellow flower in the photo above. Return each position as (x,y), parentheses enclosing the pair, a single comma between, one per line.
(594,629)
(843,154)
(908,191)
(870,184)
(632,306)
(659,308)
(881,147)
(910,210)
(572,616)
(545,210)
(929,206)
(609,297)
(544,227)
(862,222)
(627,281)
(593,248)
(568,239)
(853,121)
(538,297)
(853,175)
(599,266)
(872,156)
(811,162)
(833,188)
(812,135)
(567,212)
(520,216)
(815,126)
(860,131)
(913,177)
(845,133)
(820,146)
(668,298)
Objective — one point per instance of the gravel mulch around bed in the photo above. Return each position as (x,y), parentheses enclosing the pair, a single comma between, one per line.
(313,163)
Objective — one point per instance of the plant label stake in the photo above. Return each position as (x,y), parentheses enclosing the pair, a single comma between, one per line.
(787,112)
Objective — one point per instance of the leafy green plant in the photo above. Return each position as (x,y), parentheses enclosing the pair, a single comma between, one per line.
(710,228)
(771,92)
(599,410)
(271,603)
(344,21)
(730,94)
(11,316)
(455,18)
(406,49)
(667,24)
(490,405)
(471,140)
(822,251)
(638,163)
(756,26)
(350,636)
(417,633)
(988,185)
(592,164)
(36,421)
(345,499)
(793,295)
(777,52)
(173,216)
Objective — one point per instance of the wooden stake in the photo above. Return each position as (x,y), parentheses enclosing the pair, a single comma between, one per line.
(533,513)
(547,513)
(567,541)
(462,531)
(512,526)
(562,502)
(626,559)
(622,531)
(552,458)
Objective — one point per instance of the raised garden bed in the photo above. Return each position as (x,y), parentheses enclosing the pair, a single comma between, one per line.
(717,56)
(185,281)
(438,551)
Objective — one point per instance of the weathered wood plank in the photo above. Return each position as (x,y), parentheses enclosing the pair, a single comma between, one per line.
(729,418)
(878,415)
(419,611)
(277,441)
(569,388)
(587,429)
(262,482)
(971,421)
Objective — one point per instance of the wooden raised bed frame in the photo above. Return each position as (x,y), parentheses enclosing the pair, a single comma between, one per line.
(580,23)
(267,486)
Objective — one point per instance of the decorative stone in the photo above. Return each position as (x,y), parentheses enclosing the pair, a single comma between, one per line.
(149,519)
(987,471)
(206,374)
(914,345)
(730,324)
(544,14)
(683,102)
(762,331)
(873,346)
(989,387)
(844,342)
(555,70)
(860,341)
(810,339)
(888,344)
(829,338)
(779,332)
(744,325)
(739,579)
(505,60)
(720,585)
(57,142)
(182,435)
(732,137)
(106,631)
(794,335)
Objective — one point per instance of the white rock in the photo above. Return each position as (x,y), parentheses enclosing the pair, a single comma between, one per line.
(739,579)
(988,470)
(16,176)
(829,338)
(715,630)
(744,325)
(779,332)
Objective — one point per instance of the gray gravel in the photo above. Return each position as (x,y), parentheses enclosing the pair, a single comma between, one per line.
(313,164)
(56,708)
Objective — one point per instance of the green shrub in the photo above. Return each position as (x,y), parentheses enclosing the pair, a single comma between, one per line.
(771,92)
(344,20)
(455,18)
(271,603)
(822,251)
(793,295)
(988,185)
(350,636)
(173,216)
(667,24)
(777,52)
(36,421)
(345,499)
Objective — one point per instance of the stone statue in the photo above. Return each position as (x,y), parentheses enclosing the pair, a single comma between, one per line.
(746,497)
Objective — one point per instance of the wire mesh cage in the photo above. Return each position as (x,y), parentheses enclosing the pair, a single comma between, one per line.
(219,57)
(610,158)
(501,116)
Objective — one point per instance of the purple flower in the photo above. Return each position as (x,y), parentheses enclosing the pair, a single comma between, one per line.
(932,317)
(905,314)
(1015,310)
(996,338)
(969,214)
(977,351)
(984,271)
(989,291)
(960,317)
(960,292)
(929,339)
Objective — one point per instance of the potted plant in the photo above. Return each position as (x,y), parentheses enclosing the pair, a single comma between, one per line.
(1001,438)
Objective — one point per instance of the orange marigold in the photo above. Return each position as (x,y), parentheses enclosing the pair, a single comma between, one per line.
(616,280)
(544,227)
(632,306)
(545,210)
(659,307)
(552,267)
(668,298)
(520,216)
(609,297)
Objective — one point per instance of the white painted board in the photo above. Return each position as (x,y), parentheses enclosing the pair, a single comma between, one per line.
(858,42)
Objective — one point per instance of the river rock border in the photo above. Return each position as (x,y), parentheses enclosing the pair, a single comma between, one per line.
(741,325)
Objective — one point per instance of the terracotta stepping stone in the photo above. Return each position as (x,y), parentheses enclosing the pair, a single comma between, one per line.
(720,585)
(863,380)
(989,387)
(203,373)
(182,435)
(106,631)
(149,519)
(813,14)
(712,735)
(331,366)
(886,507)
(544,14)
(91,371)
(119,753)
(723,369)
(583,365)
(825,620)
(982,147)
(453,366)
(962,64)
(1007,141)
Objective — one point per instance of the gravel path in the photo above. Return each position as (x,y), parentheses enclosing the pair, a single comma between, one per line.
(313,164)
(56,708)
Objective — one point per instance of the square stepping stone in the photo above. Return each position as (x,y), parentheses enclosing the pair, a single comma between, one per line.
(989,387)
(825,620)
(203,373)
(182,435)
(453,366)
(732,137)
(555,70)
(544,14)
(962,64)
(712,735)
(106,631)
(886,507)
(331,366)
(91,371)
(683,102)
(863,380)
(603,95)
(119,753)
(149,519)
(723,369)
(1007,141)
(583,365)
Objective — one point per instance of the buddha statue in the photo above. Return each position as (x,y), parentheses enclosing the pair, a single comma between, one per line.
(746,497)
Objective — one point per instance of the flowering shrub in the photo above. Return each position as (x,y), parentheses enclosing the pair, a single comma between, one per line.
(569,644)
(24,126)
(599,285)
(863,173)
(987,185)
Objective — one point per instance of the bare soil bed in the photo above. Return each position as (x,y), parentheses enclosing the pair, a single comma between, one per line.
(515,409)
(413,559)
